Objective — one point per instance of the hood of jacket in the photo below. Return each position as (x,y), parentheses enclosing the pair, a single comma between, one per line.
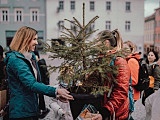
(136,55)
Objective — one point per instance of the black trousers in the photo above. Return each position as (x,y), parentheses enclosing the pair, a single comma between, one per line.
(147,93)
(42,105)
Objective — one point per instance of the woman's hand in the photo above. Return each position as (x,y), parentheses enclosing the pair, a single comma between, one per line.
(2,113)
(63,95)
(96,117)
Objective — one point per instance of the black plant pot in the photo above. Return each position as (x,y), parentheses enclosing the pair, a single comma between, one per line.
(84,99)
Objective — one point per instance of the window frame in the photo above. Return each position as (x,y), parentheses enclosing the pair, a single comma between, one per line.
(4,17)
(61,5)
(59,24)
(108,5)
(92,5)
(34,17)
(72,5)
(108,25)
(18,16)
(127,25)
(128,6)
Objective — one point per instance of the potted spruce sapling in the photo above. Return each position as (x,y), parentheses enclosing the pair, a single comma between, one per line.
(83,69)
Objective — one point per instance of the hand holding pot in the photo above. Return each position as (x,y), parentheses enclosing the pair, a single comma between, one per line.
(63,95)
(2,113)
(96,117)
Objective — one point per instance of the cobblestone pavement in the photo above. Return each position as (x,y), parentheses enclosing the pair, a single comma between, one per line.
(138,114)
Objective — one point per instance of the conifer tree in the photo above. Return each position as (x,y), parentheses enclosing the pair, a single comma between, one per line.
(83,65)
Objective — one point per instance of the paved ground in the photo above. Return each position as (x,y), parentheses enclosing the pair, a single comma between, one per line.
(138,114)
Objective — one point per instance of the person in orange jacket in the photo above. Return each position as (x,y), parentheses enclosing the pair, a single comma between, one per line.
(117,105)
(132,59)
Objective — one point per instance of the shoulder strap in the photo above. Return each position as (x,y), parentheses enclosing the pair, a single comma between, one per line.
(111,88)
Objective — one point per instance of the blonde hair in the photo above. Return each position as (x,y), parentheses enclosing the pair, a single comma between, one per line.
(131,46)
(22,39)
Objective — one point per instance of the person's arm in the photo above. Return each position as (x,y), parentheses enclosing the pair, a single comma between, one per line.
(23,72)
(134,67)
(156,75)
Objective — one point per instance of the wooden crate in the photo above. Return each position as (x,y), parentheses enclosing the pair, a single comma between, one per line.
(3,98)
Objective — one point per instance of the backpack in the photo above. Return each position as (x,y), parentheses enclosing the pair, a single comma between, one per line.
(143,77)
(130,96)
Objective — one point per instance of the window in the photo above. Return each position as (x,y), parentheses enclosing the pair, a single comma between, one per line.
(127,25)
(108,25)
(73,27)
(60,24)
(108,5)
(128,6)
(92,5)
(72,5)
(9,37)
(4,15)
(18,15)
(61,5)
(90,28)
(34,15)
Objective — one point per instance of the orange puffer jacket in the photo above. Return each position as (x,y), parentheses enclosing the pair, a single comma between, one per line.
(134,68)
(118,101)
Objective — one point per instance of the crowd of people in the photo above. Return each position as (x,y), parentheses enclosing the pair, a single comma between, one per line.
(27,83)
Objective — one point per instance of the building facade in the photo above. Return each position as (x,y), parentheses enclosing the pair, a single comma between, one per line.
(157,30)
(149,33)
(47,16)
(152,32)
(125,15)
(17,13)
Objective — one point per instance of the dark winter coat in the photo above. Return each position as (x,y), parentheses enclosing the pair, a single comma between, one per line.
(154,70)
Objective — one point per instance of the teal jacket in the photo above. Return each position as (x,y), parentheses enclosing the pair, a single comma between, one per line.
(23,86)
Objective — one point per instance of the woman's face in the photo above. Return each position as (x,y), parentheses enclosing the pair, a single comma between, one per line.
(33,43)
(127,49)
(107,43)
(151,57)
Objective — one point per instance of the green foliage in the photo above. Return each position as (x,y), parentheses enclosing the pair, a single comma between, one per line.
(84,60)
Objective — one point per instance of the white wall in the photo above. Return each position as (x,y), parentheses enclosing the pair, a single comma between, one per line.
(117,15)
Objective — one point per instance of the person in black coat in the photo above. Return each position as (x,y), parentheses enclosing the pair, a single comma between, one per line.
(43,111)
(4,85)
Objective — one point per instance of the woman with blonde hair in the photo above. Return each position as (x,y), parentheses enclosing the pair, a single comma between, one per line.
(117,104)
(133,57)
(24,77)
